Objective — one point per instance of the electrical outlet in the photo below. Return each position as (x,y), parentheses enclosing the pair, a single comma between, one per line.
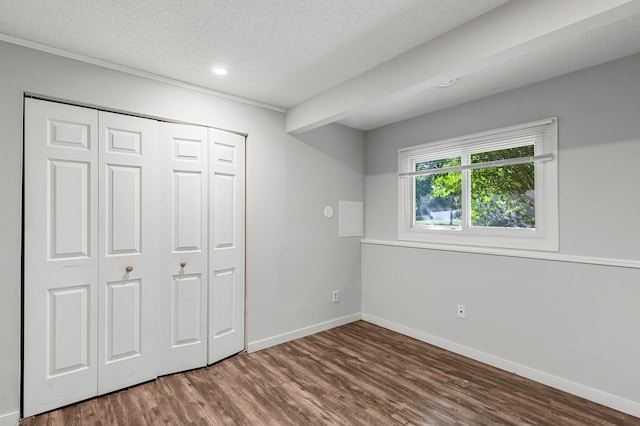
(462,312)
(336,296)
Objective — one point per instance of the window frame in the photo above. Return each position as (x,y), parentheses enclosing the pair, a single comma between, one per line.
(543,237)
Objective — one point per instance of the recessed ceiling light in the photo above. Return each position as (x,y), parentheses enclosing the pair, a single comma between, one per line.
(448,83)
(220,71)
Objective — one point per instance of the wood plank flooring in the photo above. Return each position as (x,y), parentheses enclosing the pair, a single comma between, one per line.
(357,374)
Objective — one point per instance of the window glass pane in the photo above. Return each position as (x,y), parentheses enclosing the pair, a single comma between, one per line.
(438,197)
(503,196)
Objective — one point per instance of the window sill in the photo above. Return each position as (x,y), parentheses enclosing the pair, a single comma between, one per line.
(512,239)
(527,254)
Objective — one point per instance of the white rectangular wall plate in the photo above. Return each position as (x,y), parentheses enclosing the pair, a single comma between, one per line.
(350,219)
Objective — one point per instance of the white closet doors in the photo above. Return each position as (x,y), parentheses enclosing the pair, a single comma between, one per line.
(60,255)
(226,254)
(90,268)
(203,204)
(128,267)
(182,303)
(133,248)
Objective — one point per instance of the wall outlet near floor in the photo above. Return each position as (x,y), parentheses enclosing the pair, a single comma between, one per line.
(462,312)
(335,296)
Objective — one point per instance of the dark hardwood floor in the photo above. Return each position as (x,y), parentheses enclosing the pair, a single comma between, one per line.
(357,374)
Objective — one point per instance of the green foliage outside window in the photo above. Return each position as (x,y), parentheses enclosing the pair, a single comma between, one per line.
(439,193)
(500,196)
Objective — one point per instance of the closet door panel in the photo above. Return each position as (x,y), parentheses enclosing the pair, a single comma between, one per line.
(60,255)
(68,325)
(224,208)
(68,216)
(128,277)
(226,256)
(122,320)
(187,211)
(123,203)
(187,312)
(182,314)
(223,288)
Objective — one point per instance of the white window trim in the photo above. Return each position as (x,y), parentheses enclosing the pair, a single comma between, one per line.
(544,237)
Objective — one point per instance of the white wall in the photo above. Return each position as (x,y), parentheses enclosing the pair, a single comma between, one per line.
(571,325)
(303,256)
(294,258)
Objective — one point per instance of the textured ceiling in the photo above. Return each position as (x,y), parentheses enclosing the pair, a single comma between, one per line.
(591,48)
(288,53)
(278,52)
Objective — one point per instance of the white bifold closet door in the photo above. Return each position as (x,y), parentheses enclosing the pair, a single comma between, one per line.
(226,247)
(90,264)
(201,296)
(128,248)
(60,255)
(133,251)
(182,302)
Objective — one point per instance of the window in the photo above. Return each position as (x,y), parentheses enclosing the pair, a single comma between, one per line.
(490,189)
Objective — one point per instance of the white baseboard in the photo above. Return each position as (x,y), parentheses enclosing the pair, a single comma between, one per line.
(586,392)
(9,419)
(302,332)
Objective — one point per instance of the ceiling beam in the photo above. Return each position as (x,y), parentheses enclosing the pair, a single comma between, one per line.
(512,30)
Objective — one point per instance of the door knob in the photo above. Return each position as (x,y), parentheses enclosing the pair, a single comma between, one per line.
(183,264)
(129,268)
